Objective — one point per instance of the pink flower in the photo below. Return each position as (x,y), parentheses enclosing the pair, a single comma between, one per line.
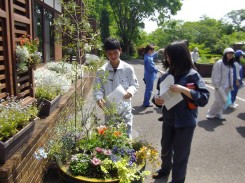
(96,161)
(98,150)
(107,152)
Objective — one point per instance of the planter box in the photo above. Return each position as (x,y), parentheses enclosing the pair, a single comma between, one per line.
(48,106)
(65,176)
(9,147)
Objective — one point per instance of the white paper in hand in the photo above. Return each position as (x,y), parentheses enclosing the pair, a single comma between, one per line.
(164,86)
(170,98)
(117,95)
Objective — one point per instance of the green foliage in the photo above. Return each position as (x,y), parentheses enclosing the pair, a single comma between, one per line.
(129,16)
(242,61)
(14,116)
(125,56)
(236,18)
(44,93)
(74,26)
(104,24)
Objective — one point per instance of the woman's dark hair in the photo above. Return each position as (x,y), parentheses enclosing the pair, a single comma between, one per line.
(111,44)
(148,47)
(237,59)
(180,58)
(226,62)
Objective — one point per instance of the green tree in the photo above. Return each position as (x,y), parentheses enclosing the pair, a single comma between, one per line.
(72,27)
(104,24)
(237,19)
(129,16)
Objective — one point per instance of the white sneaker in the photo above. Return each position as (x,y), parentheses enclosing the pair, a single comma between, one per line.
(209,116)
(219,116)
(233,106)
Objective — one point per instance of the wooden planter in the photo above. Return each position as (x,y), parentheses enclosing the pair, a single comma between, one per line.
(9,147)
(46,106)
(65,176)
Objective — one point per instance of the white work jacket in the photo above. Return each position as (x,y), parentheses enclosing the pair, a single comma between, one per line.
(107,80)
(222,75)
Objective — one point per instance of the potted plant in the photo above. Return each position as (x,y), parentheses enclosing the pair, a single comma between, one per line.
(49,86)
(17,123)
(27,53)
(84,147)
(91,152)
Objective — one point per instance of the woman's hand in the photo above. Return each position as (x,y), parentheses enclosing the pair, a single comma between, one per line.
(158,100)
(181,89)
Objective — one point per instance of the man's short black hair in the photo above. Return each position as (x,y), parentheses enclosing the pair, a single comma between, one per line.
(111,44)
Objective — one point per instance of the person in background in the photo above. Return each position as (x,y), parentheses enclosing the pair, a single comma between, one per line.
(237,77)
(222,79)
(195,55)
(112,74)
(150,72)
(179,122)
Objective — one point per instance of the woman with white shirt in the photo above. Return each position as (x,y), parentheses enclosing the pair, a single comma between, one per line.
(222,79)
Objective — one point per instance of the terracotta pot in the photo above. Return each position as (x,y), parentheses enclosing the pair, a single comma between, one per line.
(9,147)
(46,106)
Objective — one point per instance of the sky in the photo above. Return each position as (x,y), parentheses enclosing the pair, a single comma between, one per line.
(192,10)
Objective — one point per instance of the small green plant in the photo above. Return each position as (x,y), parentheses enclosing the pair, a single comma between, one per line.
(14,116)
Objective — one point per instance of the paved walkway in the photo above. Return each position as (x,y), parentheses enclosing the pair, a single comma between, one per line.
(218,148)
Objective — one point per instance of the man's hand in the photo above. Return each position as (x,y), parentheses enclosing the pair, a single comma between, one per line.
(127,95)
(101,103)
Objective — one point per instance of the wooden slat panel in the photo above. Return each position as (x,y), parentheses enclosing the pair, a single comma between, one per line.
(1,38)
(23,78)
(1,58)
(1,29)
(3,13)
(1,48)
(21,19)
(20,32)
(24,93)
(24,85)
(2,67)
(2,76)
(28,100)
(19,8)
(3,95)
(21,1)
(2,85)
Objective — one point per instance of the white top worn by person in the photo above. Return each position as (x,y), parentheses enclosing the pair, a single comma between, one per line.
(222,79)
(112,74)
(195,55)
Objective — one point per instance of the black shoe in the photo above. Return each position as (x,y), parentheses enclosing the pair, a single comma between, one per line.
(159,174)
(160,119)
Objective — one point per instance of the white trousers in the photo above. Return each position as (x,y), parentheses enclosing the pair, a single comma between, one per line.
(218,104)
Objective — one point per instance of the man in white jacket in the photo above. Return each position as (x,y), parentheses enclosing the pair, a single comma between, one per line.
(113,74)
(222,79)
